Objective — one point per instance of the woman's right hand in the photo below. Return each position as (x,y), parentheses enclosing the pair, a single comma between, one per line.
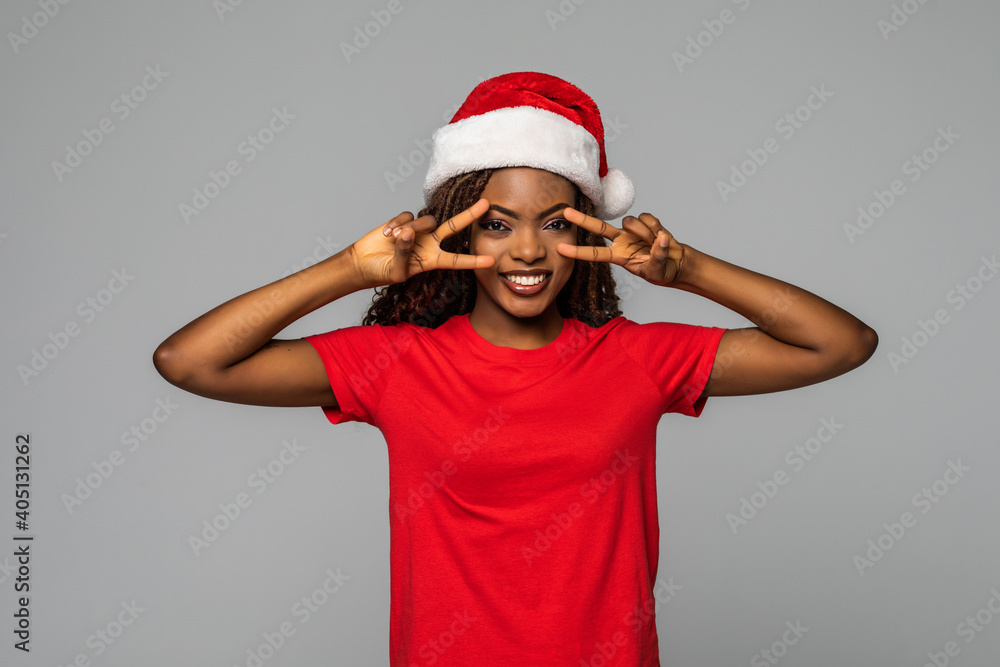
(404,247)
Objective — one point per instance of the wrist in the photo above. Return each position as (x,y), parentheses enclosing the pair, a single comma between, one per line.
(328,280)
(688,268)
(350,272)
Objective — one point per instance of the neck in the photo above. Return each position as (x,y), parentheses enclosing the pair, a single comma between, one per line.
(523,333)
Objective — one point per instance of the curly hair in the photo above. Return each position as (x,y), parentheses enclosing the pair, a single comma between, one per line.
(430,298)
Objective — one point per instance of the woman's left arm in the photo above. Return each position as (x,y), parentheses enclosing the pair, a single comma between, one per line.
(799,338)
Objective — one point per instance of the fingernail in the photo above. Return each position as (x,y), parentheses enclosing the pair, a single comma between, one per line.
(396,231)
(386,230)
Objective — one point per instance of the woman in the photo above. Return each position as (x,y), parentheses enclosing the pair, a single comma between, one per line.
(519,407)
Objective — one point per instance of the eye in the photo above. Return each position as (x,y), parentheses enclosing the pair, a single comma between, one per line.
(560,225)
(493,226)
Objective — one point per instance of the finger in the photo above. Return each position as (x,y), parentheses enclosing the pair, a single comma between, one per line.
(589,253)
(422,225)
(453,260)
(651,222)
(590,223)
(632,224)
(400,219)
(425,223)
(453,225)
(402,251)
(658,255)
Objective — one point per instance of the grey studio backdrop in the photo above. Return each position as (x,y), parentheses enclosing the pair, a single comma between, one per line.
(159,159)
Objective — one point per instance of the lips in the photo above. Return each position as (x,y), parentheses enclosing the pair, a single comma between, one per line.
(525,283)
(526,279)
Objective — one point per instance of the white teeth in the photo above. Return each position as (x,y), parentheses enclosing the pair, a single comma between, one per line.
(524,280)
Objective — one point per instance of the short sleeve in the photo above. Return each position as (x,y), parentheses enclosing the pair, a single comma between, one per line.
(359,362)
(677,358)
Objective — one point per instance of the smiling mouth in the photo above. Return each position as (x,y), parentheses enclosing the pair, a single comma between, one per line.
(525,281)
(525,285)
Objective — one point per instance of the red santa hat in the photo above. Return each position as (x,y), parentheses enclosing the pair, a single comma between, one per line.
(529,119)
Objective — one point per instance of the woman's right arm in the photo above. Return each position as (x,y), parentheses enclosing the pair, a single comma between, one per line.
(230,353)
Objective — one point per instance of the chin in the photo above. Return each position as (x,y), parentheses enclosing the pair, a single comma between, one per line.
(526,315)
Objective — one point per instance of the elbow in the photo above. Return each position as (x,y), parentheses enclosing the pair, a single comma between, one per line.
(169,364)
(871,341)
(849,350)
(846,352)
(863,346)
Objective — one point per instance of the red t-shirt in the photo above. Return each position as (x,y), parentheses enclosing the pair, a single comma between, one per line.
(522,483)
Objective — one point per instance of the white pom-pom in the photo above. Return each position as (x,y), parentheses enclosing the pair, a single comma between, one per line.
(619,195)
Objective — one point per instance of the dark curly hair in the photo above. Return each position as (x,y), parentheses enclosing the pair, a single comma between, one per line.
(429,298)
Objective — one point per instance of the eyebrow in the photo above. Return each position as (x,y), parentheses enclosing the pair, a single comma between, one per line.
(507,211)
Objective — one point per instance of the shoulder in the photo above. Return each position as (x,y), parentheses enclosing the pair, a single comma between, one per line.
(625,326)
(621,327)
(359,335)
(395,338)
(641,338)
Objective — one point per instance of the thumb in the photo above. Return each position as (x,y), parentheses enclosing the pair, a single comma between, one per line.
(659,254)
(403,243)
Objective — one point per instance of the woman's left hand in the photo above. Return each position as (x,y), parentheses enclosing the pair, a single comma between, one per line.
(643,247)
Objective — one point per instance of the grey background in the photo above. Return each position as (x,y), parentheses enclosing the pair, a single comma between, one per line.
(321,184)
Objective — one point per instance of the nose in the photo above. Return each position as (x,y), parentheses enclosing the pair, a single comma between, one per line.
(526,244)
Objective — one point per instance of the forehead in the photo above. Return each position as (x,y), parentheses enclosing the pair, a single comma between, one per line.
(527,190)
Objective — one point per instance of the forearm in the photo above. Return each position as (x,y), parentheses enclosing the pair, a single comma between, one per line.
(785,312)
(239,327)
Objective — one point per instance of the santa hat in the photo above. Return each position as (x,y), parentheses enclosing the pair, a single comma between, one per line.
(529,119)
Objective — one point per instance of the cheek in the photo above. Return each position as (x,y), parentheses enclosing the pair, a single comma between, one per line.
(478,244)
(483,276)
(566,262)
(564,271)
(488,275)
(480,248)
(567,273)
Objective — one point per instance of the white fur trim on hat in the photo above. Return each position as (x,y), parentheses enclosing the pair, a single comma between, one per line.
(619,194)
(528,137)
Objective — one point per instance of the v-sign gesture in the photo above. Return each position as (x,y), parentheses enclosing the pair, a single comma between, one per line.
(642,246)
(404,247)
